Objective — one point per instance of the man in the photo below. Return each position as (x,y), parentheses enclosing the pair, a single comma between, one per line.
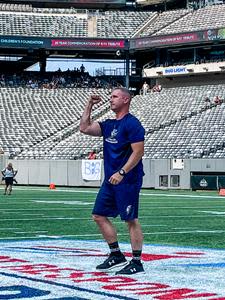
(8,174)
(123,148)
(145,88)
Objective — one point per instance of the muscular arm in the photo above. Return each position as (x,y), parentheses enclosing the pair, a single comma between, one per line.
(87,126)
(138,152)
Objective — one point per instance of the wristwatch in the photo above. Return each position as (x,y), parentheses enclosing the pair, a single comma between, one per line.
(122,172)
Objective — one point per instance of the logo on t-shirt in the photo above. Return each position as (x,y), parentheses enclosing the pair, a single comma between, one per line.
(112,139)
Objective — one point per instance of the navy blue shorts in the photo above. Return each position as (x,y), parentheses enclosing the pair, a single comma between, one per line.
(8,181)
(122,199)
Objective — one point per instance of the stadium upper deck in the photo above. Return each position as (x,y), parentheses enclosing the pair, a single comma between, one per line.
(25,20)
(28,25)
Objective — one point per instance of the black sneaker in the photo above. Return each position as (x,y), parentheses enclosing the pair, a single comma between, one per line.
(112,262)
(131,268)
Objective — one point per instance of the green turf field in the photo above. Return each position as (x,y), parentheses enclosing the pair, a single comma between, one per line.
(167,217)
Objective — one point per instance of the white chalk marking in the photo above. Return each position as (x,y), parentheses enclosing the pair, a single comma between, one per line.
(213,212)
(63,202)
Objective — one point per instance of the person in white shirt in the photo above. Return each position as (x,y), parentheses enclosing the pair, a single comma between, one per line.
(145,88)
(8,175)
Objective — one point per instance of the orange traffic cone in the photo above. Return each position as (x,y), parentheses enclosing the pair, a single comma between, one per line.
(52,186)
(222,192)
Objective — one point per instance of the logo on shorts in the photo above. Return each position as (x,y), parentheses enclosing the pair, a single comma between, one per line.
(112,139)
(128,210)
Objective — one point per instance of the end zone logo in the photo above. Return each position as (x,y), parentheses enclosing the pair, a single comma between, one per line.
(65,270)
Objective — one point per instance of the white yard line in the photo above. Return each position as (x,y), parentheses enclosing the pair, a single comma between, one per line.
(35,231)
(184,216)
(120,234)
(212,212)
(184,207)
(142,193)
(27,209)
(47,218)
(4,229)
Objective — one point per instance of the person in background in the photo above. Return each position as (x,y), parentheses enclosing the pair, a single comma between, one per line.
(145,88)
(218,100)
(92,155)
(123,148)
(207,102)
(8,175)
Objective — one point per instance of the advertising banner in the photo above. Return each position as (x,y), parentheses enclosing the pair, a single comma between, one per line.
(181,38)
(174,70)
(22,42)
(87,43)
(201,182)
(62,43)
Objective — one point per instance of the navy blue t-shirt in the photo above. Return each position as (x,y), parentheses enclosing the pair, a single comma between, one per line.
(118,135)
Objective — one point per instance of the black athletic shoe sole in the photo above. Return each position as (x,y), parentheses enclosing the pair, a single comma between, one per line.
(123,264)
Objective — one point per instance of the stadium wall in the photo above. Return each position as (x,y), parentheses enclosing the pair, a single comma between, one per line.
(68,173)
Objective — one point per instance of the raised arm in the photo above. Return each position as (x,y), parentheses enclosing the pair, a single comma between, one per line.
(87,126)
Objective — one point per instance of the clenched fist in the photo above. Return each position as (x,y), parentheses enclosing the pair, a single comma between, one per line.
(94,99)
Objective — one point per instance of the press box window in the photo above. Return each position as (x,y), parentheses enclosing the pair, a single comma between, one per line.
(174,180)
(163,180)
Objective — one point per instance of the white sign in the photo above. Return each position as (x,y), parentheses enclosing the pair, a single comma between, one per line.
(177,164)
(91,169)
(175,70)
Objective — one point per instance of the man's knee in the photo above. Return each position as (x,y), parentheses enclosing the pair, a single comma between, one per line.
(98,219)
(133,224)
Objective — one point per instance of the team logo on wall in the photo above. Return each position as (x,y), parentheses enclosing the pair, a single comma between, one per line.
(203,183)
(65,270)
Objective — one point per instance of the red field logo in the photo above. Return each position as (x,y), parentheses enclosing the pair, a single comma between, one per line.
(63,269)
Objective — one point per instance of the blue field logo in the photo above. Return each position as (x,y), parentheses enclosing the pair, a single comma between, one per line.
(65,270)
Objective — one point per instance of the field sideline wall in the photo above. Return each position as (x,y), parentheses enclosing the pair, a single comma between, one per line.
(68,173)
(3,160)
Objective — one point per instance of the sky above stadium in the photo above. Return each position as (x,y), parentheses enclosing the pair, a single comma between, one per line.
(53,64)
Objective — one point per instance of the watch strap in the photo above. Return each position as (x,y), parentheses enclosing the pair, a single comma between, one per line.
(122,172)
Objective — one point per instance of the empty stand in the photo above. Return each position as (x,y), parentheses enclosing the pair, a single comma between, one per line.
(201,19)
(162,20)
(121,24)
(44,124)
(42,24)
(24,20)
(30,116)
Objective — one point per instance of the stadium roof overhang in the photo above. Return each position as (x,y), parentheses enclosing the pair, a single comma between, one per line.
(96,48)
(111,45)
(86,4)
(153,2)
(80,48)
(179,39)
